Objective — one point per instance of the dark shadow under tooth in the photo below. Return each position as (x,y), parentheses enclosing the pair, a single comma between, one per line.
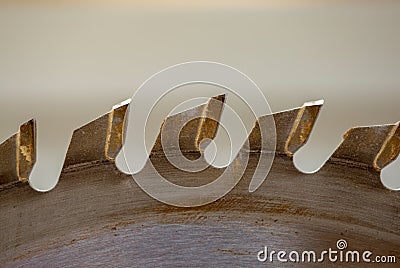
(89,143)
(18,154)
(195,130)
(293,128)
(372,146)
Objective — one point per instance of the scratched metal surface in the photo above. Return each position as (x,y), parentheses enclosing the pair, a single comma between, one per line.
(98,215)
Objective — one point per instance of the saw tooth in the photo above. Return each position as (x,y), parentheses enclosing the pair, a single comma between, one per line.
(293,128)
(98,140)
(195,130)
(18,154)
(373,146)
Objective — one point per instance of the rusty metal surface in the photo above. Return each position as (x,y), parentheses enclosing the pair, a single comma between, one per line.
(97,215)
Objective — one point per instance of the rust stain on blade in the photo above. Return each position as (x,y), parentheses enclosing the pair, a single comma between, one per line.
(372,146)
(18,154)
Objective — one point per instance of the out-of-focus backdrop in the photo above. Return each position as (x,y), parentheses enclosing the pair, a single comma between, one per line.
(68,62)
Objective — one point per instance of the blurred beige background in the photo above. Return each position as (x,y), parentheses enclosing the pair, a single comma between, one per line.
(68,63)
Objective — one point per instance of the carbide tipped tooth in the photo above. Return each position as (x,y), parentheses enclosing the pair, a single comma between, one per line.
(208,127)
(302,126)
(201,122)
(100,139)
(390,149)
(293,128)
(373,146)
(18,154)
(116,130)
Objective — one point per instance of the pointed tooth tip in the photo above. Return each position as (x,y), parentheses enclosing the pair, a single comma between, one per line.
(122,103)
(28,126)
(314,103)
(31,121)
(220,98)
